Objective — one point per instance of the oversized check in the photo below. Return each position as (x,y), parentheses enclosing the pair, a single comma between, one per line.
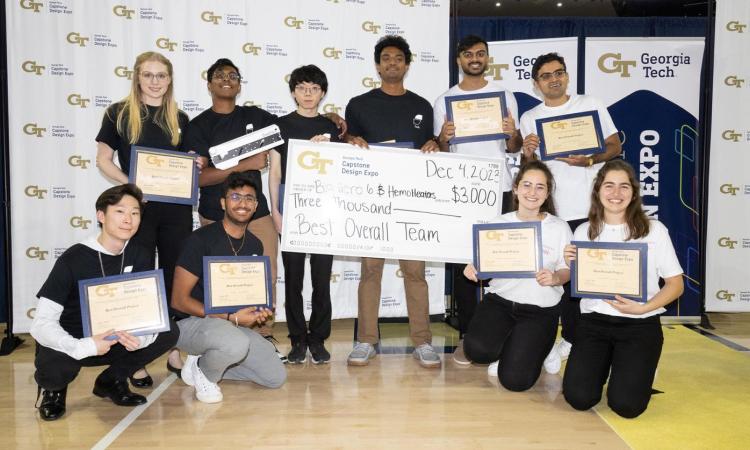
(386,202)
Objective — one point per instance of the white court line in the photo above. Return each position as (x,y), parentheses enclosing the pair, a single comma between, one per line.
(107,440)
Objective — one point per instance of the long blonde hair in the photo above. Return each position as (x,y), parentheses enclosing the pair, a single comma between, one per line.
(166,117)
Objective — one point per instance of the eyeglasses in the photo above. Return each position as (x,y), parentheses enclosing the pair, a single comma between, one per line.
(478,54)
(221,76)
(235,197)
(160,77)
(547,76)
(307,90)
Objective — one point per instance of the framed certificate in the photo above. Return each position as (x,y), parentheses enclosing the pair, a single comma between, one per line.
(133,302)
(164,175)
(507,250)
(231,283)
(570,134)
(603,269)
(478,117)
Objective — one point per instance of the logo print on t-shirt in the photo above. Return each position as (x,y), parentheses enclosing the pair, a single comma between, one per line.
(417,121)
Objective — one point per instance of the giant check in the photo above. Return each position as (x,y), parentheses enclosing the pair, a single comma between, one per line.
(386,202)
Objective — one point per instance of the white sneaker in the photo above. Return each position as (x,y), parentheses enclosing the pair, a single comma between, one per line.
(188,370)
(492,368)
(563,349)
(205,390)
(552,362)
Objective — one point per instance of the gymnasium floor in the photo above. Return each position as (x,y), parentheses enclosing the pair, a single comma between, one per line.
(393,403)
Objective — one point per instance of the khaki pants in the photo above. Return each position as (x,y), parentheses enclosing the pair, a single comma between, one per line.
(417,302)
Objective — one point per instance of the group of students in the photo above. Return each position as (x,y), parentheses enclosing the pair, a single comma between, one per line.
(514,325)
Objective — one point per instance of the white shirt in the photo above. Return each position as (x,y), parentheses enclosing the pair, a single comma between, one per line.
(491,149)
(661,262)
(555,236)
(572,183)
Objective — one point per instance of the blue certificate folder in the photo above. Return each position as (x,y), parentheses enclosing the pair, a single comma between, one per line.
(454,100)
(135,150)
(583,151)
(591,249)
(208,305)
(483,273)
(105,284)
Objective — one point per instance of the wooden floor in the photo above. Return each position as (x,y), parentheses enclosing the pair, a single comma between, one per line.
(392,403)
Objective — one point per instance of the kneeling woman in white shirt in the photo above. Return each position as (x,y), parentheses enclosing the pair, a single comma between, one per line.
(516,322)
(621,339)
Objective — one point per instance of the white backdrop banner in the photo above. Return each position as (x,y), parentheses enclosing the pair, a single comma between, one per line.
(727,236)
(80,60)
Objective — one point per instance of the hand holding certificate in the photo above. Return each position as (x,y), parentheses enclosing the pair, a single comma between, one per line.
(605,269)
(570,134)
(164,175)
(508,250)
(232,283)
(477,117)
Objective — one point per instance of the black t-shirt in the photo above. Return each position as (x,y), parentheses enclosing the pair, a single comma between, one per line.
(80,262)
(212,240)
(378,117)
(151,134)
(210,128)
(295,126)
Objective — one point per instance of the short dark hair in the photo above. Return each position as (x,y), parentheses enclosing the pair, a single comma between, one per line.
(237,180)
(113,195)
(469,41)
(308,74)
(392,41)
(221,62)
(544,59)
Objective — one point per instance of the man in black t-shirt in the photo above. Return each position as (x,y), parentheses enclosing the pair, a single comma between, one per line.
(57,328)
(392,114)
(221,345)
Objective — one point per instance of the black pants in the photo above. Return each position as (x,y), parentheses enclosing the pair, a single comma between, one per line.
(629,347)
(518,335)
(320,319)
(570,307)
(164,227)
(466,293)
(55,370)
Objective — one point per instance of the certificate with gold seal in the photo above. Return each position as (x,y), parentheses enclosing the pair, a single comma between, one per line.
(507,250)
(133,302)
(604,269)
(477,117)
(570,134)
(164,175)
(231,283)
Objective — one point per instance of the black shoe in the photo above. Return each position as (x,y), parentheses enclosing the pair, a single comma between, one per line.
(144,382)
(273,342)
(174,370)
(298,354)
(119,392)
(53,403)
(319,353)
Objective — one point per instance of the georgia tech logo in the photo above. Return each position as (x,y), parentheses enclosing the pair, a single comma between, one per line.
(617,65)
(37,253)
(495,70)
(735,25)
(34,191)
(123,11)
(315,161)
(75,38)
(209,16)
(368,82)
(558,125)
(77,100)
(726,242)
(79,222)
(331,108)
(33,129)
(370,27)
(463,104)
(166,44)
(409,3)
(495,235)
(251,48)
(596,253)
(105,291)
(154,160)
(227,268)
(723,294)
(335,277)
(732,80)
(728,188)
(31,4)
(32,66)
(331,52)
(123,72)
(77,161)
(293,22)
(731,135)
